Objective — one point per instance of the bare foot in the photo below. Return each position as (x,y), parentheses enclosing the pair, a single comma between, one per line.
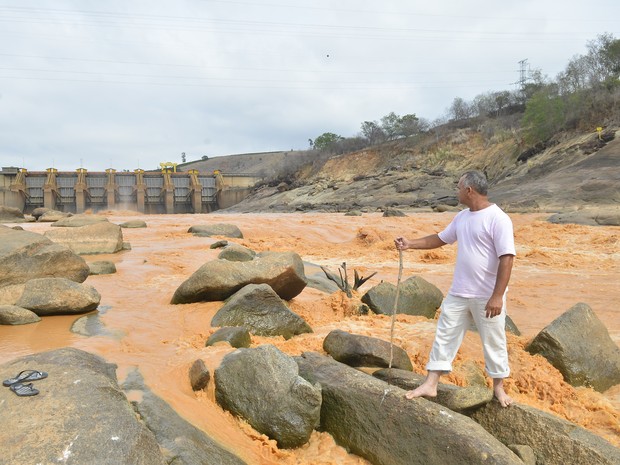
(498,389)
(424,390)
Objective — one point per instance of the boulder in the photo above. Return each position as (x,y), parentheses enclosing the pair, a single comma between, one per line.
(236,253)
(453,397)
(26,255)
(14,315)
(236,336)
(11,293)
(181,442)
(322,283)
(58,296)
(80,415)
(262,385)
(525,453)
(578,344)
(217,229)
(607,219)
(11,215)
(133,224)
(219,244)
(38,212)
(364,351)
(554,440)
(258,308)
(393,212)
(102,267)
(199,375)
(51,216)
(76,221)
(103,237)
(219,279)
(415,297)
(595,217)
(375,421)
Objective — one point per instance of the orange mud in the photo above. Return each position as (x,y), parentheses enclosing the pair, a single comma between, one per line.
(557,266)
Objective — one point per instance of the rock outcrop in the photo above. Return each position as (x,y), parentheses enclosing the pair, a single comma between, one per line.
(363,351)
(416,296)
(578,344)
(80,415)
(219,279)
(375,421)
(58,296)
(262,385)
(258,308)
(26,255)
(102,237)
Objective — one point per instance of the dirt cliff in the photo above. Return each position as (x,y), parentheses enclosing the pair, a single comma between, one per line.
(570,172)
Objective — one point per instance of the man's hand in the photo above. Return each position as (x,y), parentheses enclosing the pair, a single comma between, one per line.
(494,306)
(401,243)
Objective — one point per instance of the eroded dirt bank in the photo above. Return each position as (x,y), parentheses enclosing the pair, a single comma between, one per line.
(557,266)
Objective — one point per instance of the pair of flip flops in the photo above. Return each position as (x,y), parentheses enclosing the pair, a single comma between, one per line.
(18,384)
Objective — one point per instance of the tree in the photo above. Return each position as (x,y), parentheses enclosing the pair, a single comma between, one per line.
(327,141)
(390,124)
(409,125)
(544,116)
(460,109)
(373,132)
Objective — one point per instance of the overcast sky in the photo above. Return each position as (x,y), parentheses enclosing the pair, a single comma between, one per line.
(129,84)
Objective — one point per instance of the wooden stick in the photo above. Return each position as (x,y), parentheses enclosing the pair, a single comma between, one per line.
(400,274)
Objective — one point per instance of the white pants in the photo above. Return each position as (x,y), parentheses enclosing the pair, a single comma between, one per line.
(457,314)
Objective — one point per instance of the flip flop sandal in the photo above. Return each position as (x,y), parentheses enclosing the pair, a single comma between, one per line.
(24,390)
(26,375)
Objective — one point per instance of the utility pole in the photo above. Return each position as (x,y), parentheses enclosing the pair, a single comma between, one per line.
(523,75)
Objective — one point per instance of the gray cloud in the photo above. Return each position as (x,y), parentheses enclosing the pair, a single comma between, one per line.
(132,84)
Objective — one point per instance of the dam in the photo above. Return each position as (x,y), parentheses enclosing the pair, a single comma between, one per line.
(151,192)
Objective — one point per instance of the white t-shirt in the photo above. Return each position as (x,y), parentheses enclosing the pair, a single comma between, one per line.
(483,236)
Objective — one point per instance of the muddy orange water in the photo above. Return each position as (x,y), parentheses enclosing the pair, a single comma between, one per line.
(557,266)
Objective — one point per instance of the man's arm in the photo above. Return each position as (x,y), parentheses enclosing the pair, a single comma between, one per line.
(427,242)
(495,303)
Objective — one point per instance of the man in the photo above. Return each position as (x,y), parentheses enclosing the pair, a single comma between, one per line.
(484,261)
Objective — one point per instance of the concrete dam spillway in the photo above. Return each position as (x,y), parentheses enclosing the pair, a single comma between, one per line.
(150,192)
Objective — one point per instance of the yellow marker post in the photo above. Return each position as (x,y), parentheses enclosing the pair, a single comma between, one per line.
(599,130)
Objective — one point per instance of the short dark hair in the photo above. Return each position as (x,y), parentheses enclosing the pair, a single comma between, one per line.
(476,180)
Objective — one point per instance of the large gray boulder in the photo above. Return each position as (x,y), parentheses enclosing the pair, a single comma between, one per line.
(258,308)
(596,217)
(236,336)
(416,296)
(237,253)
(58,296)
(14,315)
(453,397)
(375,421)
(216,229)
(578,344)
(26,255)
(322,283)
(554,440)
(76,221)
(180,441)
(133,224)
(262,385)
(102,267)
(364,351)
(219,279)
(79,416)
(11,215)
(103,237)
(51,216)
